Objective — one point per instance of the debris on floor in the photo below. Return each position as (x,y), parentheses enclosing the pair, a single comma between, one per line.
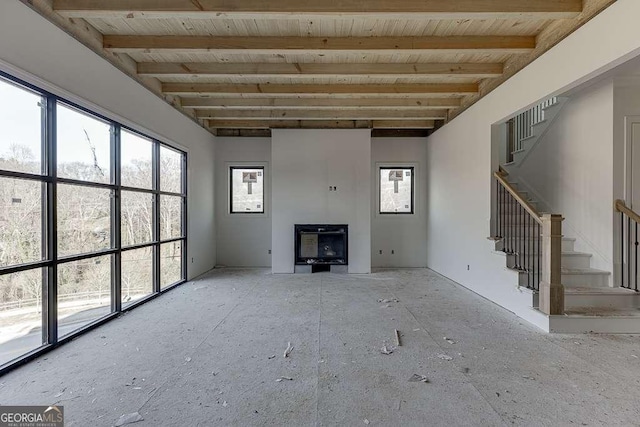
(417,378)
(397,334)
(187,359)
(225,404)
(387,301)
(366,421)
(131,418)
(445,357)
(272,356)
(387,349)
(449,340)
(288,350)
(527,377)
(284,378)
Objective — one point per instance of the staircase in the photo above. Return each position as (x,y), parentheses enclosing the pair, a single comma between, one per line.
(526,129)
(591,304)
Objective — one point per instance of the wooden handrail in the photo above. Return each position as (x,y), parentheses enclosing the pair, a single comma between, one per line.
(525,204)
(622,207)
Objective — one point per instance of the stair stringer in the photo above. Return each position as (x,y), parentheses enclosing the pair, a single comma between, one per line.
(519,300)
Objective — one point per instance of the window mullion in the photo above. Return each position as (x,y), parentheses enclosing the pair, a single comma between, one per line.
(155,160)
(183,218)
(50,291)
(116,207)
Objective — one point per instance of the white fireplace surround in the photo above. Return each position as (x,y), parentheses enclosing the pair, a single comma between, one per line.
(305,164)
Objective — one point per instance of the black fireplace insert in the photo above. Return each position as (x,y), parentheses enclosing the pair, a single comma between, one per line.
(321,244)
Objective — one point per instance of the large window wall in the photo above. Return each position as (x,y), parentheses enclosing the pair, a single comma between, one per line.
(92,219)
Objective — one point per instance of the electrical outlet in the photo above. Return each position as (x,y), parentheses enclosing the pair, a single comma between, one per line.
(381,252)
(269,251)
(468,267)
(392,252)
(191,260)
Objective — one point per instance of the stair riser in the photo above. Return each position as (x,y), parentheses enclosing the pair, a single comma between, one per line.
(567,245)
(617,301)
(523,280)
(586,280)
(576,261)
(571,261)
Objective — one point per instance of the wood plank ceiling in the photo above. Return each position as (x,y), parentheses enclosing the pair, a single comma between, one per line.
(246,65)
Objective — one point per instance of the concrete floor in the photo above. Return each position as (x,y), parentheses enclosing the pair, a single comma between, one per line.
(200,355)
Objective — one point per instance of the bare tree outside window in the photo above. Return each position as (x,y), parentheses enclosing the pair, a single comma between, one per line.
(146,193)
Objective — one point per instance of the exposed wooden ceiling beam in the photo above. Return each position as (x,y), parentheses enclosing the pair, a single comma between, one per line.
(360,114)
(194,89)
(168,69)
(375,133)
(321,124)
(295,9)
(283,45)
(403,124)
(320,103)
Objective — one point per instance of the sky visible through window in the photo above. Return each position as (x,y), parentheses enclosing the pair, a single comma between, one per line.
(20,114)
(85,186)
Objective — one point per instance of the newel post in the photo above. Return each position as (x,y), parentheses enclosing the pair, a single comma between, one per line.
(551,299)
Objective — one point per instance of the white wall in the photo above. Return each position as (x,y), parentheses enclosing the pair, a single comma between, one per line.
(304,163)
(35,50)
(571,171)
(406,235)
(459,157)
(626,104)
(242,240)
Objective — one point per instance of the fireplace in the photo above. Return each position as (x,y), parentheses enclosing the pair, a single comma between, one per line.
(321,245)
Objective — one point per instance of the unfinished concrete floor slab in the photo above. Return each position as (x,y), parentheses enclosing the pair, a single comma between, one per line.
(211,352)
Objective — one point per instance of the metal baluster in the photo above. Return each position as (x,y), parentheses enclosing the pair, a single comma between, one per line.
(629,250)
(622,284)
(519,132)
(508,205)
(523,262)
(520,234)
(502,215)
(516,234)
(636,250)
(497,229)
(530,225)
(539,238)
(529,252)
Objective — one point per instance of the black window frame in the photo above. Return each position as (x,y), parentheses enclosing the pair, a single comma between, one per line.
(231,169)
(50,257)
(413,188)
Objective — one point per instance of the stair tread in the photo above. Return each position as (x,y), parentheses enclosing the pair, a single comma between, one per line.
(584,271)
(578,290)
(575,253)
(603,312)
(565,239)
